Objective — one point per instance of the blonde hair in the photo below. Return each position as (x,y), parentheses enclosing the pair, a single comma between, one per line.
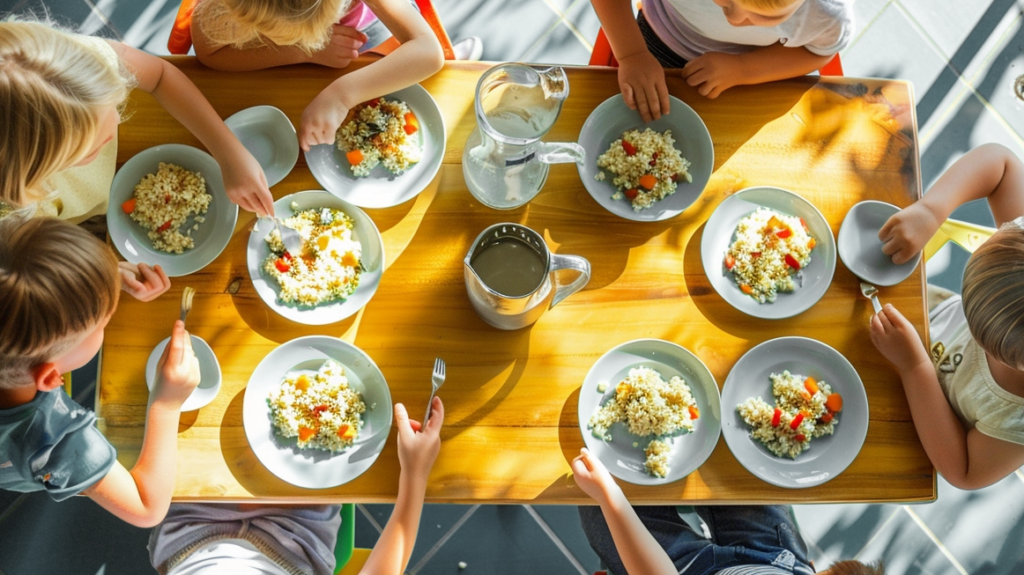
(53,88)
(993,295)
(305,24)
(856,568)
(766,4)
(57,281)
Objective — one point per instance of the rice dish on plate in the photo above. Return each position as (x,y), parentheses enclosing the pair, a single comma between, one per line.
(769,250)
(329,266)
(804,409)
(645,167)
(320,409)
(380,132)
(649,406)
(162,203)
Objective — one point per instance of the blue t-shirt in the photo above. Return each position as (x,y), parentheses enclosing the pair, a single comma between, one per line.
(51,443)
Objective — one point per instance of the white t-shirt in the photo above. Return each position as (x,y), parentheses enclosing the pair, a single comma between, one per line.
(227,556)
(694,27)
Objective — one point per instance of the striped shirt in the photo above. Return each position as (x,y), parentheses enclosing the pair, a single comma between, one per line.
(753,570)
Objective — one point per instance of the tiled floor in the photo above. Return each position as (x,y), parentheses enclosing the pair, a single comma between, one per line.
(962,57)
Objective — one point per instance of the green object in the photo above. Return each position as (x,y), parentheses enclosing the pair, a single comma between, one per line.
(346,536)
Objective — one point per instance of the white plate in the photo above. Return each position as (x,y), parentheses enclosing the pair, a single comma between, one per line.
(209,373)
(608,122)
(688,452)
(270,137)
(382,189)
(211,238)
(315,468)
(372,258)
(861,250)
(827,456)
(720,231)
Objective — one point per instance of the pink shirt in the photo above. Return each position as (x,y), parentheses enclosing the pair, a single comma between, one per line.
(358,16)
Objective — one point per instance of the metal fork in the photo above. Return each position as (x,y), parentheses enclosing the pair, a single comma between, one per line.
(437,379)
(186,302)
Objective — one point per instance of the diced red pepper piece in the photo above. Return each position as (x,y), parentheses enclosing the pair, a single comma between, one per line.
(318,409)
(675,177)
(631,193)
(800,437)
(373,103)
(654,159)
(287,256)
(166,226)
(281,265)
(826,418)
(755,254)
(784,233)
(730,261)
(804,224)
(129,206)
(797,421)
(792,261)
(776,417)
(630,149)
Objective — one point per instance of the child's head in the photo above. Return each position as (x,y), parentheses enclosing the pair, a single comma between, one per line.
(993,295)
(758,12)
(59,286)
(59,99)
(305,24)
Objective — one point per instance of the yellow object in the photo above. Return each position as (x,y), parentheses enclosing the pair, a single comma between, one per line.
(968,236)
(355,564)
(67,383)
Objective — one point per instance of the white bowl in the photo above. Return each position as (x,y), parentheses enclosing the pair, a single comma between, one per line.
(720,231)
(861,250)
(270,137)
(608,122)
(211,238)
(372,259)
(313,468)
(382,189)
(209,369)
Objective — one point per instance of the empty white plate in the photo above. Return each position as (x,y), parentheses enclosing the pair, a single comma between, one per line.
(861,250)
(209,370)
(270,137)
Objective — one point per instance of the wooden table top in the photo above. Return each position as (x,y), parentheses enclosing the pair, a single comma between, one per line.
(511,427)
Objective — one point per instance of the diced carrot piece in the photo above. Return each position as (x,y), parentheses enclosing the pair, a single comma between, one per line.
(811,385)
(694,412)
(306,432)
(349,259)
(346,431)
(730,262)
(631,193)
(834,403)
(746,289)
(811,243)
(129,206)
(355,157)
(410,118)
(302,382)
(410,129)
(648,181)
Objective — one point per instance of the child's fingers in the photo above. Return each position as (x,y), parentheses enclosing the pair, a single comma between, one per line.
(128,279)
(149,276)
(266,201)
(641,103)
(883,318)
(885,234)
(629,97)
(436,416)
(402,420)
(415,425)
(176,348)
(189,353)
(662,89)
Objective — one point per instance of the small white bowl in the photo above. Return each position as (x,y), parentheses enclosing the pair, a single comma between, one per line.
(209,370)
(861,250)
(270,137)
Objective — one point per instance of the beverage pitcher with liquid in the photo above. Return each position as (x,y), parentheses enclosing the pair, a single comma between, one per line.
(504,162)
(510,276)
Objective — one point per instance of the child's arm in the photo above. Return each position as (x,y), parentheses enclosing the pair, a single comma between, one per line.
(990,171)
(243,177)
(418,58)
(417,451)
(343,48)
(141,497)
(639,551)
(967,459)
(641,77)
(714,72)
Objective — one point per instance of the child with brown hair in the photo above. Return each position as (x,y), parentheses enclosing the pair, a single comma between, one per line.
(966,394)
(719,43)
(58,289)
(257,34)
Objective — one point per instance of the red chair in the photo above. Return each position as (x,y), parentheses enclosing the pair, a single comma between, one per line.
(181,33)
(602,56)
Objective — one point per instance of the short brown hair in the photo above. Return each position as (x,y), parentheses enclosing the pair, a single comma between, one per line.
(56,281)
(993,295)
(856,568)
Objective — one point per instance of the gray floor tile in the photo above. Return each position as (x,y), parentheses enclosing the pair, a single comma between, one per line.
(958,28)
(436,521)
(582,16)
(366,532)
(906,549)
(508,29)
(841,531)
(864,14)
(560,47)
(564,520)
(68,13)
(995,82)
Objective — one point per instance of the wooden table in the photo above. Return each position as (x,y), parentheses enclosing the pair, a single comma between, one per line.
(511,426)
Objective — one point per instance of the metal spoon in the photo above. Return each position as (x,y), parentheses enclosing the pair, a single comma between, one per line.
(289,236)
(871,292)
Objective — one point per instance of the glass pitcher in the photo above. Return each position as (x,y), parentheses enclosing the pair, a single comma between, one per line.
(504,162)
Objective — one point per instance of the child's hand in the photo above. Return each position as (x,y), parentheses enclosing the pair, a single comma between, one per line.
(343,48)
(642,82)
(246,184)
(417,448)
(897,340)
(593,477)
(177,372)
(320,120)
(142,282)
(714,72)
(905,234)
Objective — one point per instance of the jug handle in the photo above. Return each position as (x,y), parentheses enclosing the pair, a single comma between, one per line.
(560,152)
(576,263)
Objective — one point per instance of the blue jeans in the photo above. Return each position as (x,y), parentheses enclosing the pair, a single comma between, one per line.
(740,535)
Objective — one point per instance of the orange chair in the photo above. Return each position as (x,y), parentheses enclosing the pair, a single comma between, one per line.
(181,33)
(602,56)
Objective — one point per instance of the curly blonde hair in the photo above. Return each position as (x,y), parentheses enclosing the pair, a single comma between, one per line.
(54,85)
(993,295)
(305,24)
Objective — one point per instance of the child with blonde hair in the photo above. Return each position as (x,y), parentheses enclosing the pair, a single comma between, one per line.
(58,290)
(966,394)
(719,43)
(61,95)
(256,34)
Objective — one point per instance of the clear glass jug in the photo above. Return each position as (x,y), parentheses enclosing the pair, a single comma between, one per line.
(504,162)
